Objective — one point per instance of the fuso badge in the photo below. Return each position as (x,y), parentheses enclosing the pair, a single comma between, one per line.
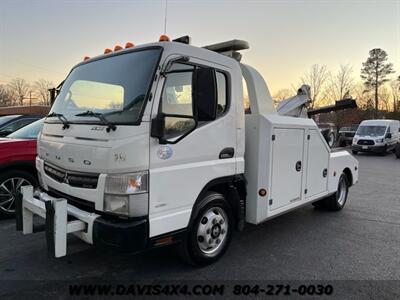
(165,152)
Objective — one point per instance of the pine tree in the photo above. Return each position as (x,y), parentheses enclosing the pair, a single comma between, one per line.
(374,72)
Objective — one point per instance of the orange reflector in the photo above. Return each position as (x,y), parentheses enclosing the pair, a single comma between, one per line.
(163,241)
(129,45)
(117,48)
(107,50)
(86,58)
(164,38)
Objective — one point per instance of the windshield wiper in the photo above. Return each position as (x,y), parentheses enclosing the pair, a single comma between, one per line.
(100,116)
(61,117)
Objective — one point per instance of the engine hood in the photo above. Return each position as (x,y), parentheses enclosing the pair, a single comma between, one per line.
(90,148)
(369,137)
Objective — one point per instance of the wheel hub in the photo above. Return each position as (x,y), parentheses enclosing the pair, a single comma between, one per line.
(216,231)
(212,231)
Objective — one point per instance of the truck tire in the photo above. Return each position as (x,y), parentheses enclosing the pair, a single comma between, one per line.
(338,200)
(354,152)
(209,232)
(398,151)
(331,139)
(10,185)
(384,151)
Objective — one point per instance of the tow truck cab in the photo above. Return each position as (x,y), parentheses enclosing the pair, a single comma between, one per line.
(150,146)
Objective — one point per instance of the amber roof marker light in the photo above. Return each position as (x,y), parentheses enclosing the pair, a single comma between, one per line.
(107,50)
(86,57)
(164,38)
(117,48)
(129,45)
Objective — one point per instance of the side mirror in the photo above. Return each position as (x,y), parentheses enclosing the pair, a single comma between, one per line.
(158,127)
(205,94)
(170,129)
(388,135)
(52,93)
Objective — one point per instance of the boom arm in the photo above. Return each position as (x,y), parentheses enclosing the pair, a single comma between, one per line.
(296,106)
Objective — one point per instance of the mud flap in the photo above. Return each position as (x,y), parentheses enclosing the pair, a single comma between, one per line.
(238,206)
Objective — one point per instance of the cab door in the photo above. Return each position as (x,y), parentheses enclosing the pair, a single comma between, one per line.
(182,167)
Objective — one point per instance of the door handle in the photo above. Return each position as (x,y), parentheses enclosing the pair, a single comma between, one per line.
(227,153)
(298,166)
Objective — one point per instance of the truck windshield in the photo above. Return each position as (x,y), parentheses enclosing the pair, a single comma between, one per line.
(371,130)
(114,86)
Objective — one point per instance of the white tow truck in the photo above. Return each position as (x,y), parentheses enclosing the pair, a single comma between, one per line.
(151,145)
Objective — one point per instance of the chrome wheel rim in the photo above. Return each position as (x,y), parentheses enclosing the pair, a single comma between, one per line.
(212,231)
(8,193)
(342,192)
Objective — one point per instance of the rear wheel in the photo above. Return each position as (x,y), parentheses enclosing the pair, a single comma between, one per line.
(210,232)
(398,151)
(10,185)
(338,200)
(331,140)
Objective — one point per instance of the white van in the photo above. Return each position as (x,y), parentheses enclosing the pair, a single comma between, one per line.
(377,136)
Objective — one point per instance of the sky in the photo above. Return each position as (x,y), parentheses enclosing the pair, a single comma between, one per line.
(44,39)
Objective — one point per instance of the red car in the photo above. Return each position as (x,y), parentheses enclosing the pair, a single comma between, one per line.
(17,164)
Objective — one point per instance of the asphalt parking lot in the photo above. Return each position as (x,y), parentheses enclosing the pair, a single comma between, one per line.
(362,242)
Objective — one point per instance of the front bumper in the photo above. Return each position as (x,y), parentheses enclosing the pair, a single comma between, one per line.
(62,218)
(369,148)
(125,236)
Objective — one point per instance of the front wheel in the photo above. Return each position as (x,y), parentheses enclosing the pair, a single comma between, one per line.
(338,200)
(384,151)
(354,152)
(210,232)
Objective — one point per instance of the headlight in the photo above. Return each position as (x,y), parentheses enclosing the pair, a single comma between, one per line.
(123,184)
(355,141)
(126,194)
(379,140)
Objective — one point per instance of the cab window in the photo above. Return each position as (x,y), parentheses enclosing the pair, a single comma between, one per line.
(177,98)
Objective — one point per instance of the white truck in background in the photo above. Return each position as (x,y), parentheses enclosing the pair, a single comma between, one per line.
(378,136)
(150,145)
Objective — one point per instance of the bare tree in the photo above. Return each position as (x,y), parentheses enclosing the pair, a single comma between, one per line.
(281,95)
(363,96)
(20,88)
(395,87)
(384,96)
(340,84)
(41,88)
(6,97)
(315,78)
(374,72)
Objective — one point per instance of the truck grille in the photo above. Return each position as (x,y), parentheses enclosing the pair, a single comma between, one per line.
(77,202)
(349,134)
(365,142)
(75,179)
